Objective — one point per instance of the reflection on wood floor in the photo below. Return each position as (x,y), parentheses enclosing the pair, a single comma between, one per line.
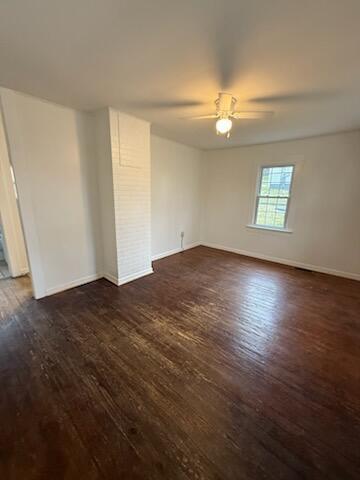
(217,366)
(4,270)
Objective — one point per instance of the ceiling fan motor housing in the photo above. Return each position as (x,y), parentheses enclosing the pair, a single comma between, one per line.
(225,104)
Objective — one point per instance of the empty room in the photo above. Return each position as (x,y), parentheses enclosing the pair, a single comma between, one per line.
(180,240)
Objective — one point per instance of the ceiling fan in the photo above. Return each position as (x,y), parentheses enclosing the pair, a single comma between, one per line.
(225,112)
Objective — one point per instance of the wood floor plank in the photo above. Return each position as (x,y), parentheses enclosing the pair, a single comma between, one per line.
(217,366)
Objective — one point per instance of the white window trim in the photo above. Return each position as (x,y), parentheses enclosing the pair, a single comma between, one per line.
(285,228)
(270,229)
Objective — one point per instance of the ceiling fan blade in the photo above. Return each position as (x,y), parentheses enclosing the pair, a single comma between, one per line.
(225,64)
(202,117)
(160,104)
(225,42)
(249,115)
(291,97)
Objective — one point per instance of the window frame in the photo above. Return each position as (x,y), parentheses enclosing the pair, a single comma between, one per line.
(258,196)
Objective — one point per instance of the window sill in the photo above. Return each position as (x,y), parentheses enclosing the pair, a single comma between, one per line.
(271,229)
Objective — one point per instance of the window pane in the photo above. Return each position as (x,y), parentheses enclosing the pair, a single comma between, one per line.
(274,191)
(276,181)
(271,212)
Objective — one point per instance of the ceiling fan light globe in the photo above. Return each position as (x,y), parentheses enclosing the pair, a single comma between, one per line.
(223,125)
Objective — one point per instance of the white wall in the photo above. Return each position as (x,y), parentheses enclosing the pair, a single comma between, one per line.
(208,195)
(52,150)
(324,210)
(175,195)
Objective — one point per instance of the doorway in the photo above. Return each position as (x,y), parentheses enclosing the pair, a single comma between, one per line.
(4,259)
(13,257)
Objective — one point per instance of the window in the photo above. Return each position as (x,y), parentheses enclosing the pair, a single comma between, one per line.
(272,199)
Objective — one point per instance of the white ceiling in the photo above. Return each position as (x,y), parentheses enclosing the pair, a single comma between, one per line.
(149,57)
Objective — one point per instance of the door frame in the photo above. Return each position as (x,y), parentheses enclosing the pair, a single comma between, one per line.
(9,212)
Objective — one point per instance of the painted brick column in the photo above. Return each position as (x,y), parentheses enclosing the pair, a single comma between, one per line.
(130,157)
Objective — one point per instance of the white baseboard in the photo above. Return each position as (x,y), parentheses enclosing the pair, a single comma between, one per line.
(135,276)
(174,251)
(130,278)
(73,284)
(111,278)
(97,276)
(127,278)
(283,261)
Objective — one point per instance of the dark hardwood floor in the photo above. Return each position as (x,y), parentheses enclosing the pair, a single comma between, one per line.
(216,367)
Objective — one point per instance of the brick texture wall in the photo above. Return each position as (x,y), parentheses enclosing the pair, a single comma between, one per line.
(130,151)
